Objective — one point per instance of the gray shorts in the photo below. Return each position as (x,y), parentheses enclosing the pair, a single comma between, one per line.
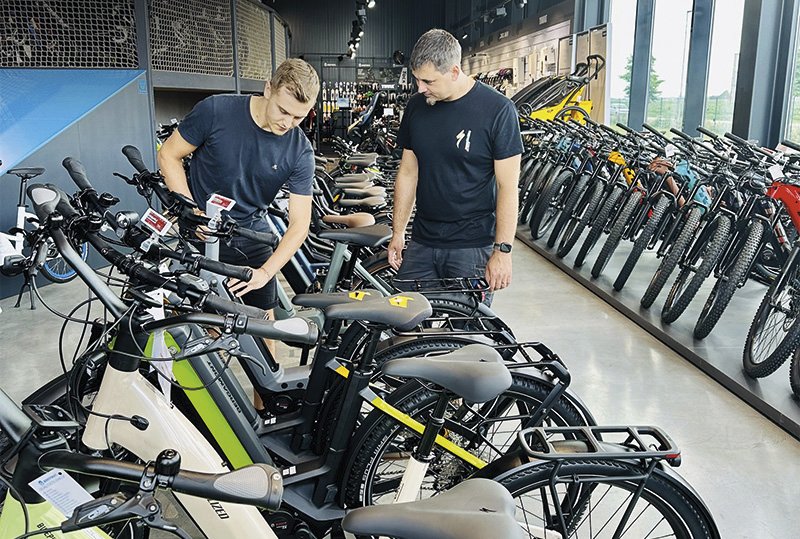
(423,262)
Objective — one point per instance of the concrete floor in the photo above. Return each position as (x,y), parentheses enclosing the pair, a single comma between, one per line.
(746,468)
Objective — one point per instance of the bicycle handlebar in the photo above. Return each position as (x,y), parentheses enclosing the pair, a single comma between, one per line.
(77,172)
(134,157)
(256,484)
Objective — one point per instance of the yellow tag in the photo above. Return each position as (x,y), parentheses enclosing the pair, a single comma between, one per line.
(616,158)
(358,295)
(400,301)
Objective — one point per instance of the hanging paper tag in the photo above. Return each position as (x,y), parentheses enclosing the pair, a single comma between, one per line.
(670,150)
(776,172)
(61,490)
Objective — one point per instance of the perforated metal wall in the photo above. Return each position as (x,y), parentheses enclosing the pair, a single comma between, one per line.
(280,41)
(253,41)
(191,37)
(68,34)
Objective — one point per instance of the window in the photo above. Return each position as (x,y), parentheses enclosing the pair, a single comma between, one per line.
(672,24)
(726,33)
(793,122)
(623,23)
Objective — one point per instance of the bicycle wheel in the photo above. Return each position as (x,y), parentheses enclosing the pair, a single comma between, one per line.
(546,207)
(729,281)
(642,241)
(794,373)
(593,497)
(667,266)
(532,195)
(685,288)
(598,225)
(617,230)
(775,331)
(383,445)
(578,222)
(566,211)
(56,269)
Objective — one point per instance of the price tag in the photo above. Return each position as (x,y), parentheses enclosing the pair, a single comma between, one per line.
(670,150)
(60,490)
(221,202)
(156,222)
(775,172)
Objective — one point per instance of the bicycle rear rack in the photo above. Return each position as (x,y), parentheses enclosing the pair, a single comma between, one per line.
(618,442)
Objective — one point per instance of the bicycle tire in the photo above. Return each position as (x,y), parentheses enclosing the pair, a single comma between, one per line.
(57,270)
(794,373)
(575,227)
(546,207)
(665,509)
(598,225)
(727,285)
(756,364)
(617,230)
(641,242)
(680,297)
(533,191)
(667,266)
(381,433)
(567,210)
(527,178)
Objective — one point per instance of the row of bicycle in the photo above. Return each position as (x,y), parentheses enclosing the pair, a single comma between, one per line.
(716,207)
(397,397)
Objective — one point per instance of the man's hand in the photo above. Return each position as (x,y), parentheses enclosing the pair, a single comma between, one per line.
(498,270)
(201,230)
(396,247)
(239,288)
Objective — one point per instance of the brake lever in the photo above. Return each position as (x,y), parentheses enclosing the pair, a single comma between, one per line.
(205,345)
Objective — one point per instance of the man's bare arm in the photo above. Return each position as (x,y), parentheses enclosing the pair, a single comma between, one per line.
(405,192)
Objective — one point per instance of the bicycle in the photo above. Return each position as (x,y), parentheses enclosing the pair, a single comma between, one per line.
(12,244)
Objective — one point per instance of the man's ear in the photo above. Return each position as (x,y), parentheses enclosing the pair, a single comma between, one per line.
(454,71)
(267,90)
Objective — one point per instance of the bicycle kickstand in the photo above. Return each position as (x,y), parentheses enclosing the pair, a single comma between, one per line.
(26,284)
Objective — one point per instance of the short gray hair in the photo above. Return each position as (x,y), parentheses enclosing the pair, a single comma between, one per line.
(438,47)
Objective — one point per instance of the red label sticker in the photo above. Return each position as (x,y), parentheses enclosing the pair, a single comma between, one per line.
(156,222)
(222,202)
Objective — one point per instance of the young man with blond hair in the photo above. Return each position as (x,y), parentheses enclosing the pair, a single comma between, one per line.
(247,148)
(461,161)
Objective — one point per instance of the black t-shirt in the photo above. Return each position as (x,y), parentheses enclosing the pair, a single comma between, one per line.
(456,144)
(238,159)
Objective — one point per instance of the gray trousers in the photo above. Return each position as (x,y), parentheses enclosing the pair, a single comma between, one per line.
(421,262)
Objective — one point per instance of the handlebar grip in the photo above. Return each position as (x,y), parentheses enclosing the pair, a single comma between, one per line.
(295,330)
(737,139)
(626,128)
(707,133)
(45,199)
(267,238)
(76,172)
(228,270)
(222,305)
(134,157)
(257,484)
(754,147)
(654,131)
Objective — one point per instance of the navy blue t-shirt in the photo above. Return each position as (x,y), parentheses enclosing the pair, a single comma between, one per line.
(239,160)
(456,144)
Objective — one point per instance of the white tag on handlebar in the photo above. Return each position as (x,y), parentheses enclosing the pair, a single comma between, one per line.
(776,172)
(156,222)
(59,489)
(221,202)
(670,150)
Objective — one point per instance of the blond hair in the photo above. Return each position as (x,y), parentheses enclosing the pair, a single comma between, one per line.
(299,78)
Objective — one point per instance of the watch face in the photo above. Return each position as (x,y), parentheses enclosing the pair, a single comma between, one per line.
(503,247)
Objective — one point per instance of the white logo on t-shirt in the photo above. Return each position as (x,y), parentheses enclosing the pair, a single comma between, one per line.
(461,136)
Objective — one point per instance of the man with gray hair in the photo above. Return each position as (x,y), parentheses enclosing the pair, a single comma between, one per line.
(461,161)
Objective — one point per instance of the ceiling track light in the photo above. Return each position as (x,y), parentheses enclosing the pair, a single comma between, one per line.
(371,4)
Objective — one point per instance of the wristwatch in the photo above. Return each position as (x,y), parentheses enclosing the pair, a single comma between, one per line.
(502,247)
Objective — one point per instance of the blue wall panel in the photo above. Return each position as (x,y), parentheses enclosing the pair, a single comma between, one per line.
(38,104)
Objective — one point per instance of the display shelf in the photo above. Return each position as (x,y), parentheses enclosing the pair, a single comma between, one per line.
(719,355)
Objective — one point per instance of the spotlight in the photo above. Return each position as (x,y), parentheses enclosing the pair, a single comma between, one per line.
(357,44)
(361,33)
(371,4)
(521,3)
(465,36)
